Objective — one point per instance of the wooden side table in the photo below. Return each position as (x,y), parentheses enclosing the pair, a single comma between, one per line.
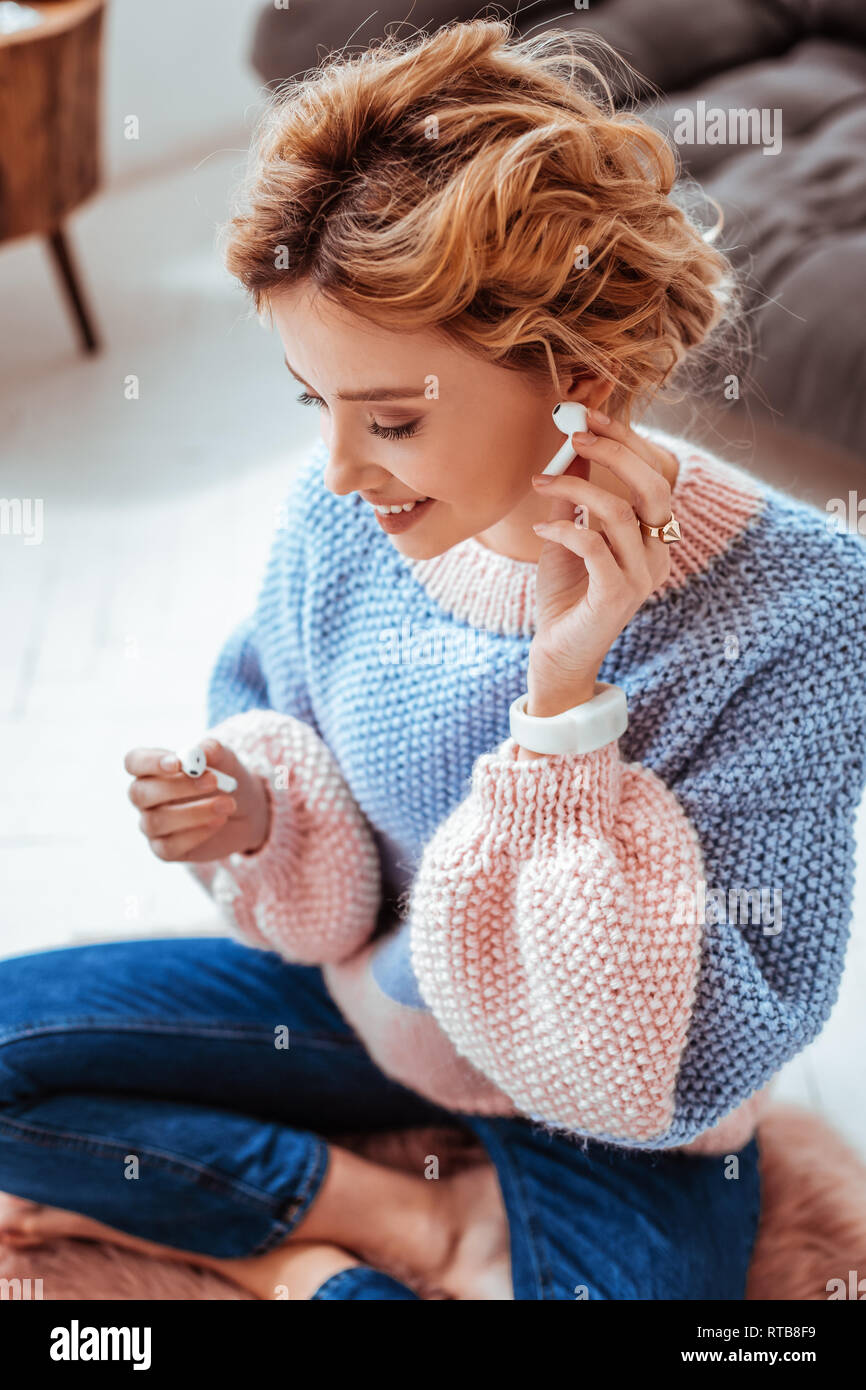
(50,156)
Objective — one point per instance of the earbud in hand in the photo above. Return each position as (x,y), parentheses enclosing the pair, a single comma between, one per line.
(569,417)
(194,764)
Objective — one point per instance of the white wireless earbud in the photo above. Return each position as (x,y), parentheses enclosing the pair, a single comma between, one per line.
(569,417)
(194,764)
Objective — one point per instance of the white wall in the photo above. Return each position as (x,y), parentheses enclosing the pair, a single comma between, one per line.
(181,67)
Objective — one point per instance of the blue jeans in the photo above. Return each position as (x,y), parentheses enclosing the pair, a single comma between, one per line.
(165,1051)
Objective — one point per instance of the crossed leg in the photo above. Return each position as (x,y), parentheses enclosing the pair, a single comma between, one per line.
(444,1239)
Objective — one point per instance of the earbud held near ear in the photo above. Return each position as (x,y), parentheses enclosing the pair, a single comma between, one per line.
(194,764)
(569,417)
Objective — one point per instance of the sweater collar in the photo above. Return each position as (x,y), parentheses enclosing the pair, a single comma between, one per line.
(714,502)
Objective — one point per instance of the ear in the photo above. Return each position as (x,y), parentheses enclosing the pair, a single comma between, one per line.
(591,391)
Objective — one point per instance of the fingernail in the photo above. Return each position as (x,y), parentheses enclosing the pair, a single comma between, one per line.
(541,479)
(600,416)
(584,436)
(540,527)
(168,763)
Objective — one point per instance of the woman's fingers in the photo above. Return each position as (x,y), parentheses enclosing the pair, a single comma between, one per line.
(650,452)
(155,784)
(151,762)
(649,488)
(161,762)
(145,792)
(188,815)
(618,521)
(645,448)
(181,845)
(180,813)
(606,579)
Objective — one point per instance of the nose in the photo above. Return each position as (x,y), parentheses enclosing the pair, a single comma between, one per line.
(343,474)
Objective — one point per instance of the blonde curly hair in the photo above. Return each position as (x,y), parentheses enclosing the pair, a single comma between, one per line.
(484,187)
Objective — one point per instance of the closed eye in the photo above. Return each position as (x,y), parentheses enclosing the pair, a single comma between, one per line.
(381,431)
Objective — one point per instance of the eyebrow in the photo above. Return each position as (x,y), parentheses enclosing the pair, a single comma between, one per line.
(381,393)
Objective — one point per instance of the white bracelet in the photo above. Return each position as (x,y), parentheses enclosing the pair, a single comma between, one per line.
(581,729)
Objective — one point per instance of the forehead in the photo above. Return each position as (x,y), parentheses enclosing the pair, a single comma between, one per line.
(314,327)
(336,352)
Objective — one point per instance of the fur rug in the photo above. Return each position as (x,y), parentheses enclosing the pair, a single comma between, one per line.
(813,1222)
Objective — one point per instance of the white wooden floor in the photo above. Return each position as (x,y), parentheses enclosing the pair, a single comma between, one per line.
(158,515)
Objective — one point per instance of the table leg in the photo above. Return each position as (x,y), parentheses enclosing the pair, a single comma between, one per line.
(69,278)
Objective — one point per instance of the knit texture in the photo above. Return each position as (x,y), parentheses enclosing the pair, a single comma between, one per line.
(585,852)
(314,825)
(624,945)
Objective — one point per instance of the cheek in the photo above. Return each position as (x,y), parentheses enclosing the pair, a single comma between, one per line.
(474,467)
(509,446)
(431,472)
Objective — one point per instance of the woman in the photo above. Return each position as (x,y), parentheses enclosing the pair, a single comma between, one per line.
(589,942)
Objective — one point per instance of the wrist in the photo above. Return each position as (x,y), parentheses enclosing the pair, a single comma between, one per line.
(584,725)
(545,701)
(551,688)
(260,825)
(551,691)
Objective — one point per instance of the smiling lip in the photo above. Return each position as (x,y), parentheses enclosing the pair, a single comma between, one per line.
(392,502)
(394,523)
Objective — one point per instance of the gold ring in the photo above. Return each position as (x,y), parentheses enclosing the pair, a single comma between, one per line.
(668,533)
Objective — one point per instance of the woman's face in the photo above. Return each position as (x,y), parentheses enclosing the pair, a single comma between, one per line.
(463,433)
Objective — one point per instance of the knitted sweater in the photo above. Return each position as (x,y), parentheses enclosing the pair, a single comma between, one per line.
(624,945)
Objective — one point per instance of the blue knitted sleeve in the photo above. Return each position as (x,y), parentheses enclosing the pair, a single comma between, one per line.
(261,664)
(774,799)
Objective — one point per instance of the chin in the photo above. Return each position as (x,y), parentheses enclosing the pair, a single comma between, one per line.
(416,545)
(419,548)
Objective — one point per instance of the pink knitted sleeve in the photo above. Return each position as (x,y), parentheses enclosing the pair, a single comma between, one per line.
(543,937)
(312,891)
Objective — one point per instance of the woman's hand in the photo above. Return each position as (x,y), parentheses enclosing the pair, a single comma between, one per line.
(591,582)
(188,818)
